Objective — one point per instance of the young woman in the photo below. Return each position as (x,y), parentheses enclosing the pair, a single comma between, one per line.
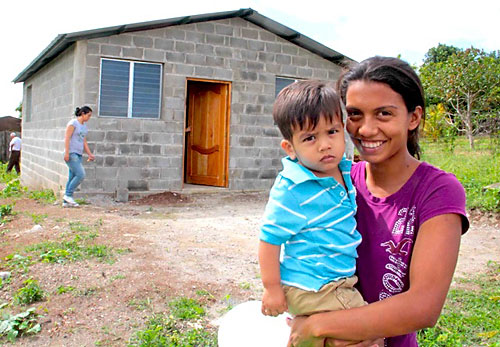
(75,142)
(410,214)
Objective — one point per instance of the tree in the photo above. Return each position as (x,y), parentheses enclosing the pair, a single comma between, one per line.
(441,53)
(468,85)
(20,109)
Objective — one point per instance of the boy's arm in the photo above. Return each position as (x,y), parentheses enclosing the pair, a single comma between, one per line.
(273,300)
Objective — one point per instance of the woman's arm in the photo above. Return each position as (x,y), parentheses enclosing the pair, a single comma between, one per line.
(87,150)
(273,299)
(67,136)
(433,263)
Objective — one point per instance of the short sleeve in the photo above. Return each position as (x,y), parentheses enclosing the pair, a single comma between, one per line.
(72,122)
(446,196)
(283,216)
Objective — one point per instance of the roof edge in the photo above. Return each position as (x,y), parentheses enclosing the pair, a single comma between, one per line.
(63,41)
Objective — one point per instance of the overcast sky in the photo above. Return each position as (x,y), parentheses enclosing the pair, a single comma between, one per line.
(356,28)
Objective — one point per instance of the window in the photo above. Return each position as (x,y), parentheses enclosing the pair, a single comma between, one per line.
(27,104)
(130,89)
(282,82)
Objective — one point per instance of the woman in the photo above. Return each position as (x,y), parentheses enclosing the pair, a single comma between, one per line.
(410,214)
(75,142)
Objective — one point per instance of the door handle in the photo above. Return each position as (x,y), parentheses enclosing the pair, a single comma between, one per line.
(187,130)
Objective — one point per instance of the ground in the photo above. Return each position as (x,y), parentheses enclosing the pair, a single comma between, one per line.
(170,245)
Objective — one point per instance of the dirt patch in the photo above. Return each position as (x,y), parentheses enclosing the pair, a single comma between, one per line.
(166,245)
(164,198)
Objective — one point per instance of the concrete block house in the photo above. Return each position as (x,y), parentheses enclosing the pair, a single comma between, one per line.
(177,101)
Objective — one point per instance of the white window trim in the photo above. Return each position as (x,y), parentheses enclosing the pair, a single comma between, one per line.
(131,88)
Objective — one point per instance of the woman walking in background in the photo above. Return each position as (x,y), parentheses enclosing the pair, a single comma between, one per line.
(75,142)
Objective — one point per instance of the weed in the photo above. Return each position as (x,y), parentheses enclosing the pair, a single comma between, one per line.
(13,189)
(45,196)
(60,252)
(79,227)
(141,305)
(18,325)
(6,210)
(469,317)
(245,285)
(30,293)
(205,293)
(64,289)
(18,262)
(162,330)
(186,308)
(117,277)
(82,201)
(5,176)
(38,218)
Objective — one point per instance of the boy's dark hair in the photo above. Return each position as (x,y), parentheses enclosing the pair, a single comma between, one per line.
(82,110)
(302,103)
(400,77)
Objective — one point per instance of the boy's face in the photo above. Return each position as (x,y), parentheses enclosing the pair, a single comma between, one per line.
(319,149)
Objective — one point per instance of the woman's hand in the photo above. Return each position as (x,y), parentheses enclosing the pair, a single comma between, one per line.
(66,156)
(366,343)
(300,337)
(273,301)
(91,157)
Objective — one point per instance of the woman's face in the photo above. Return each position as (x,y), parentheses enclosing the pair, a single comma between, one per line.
(86,116)
(378,121)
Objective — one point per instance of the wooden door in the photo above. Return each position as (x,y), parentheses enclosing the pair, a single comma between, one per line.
(207,133)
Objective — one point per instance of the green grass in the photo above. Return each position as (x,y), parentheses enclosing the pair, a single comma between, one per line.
(182,327)
(471,314)
(30,293)
(475,169)
(78,246)
(45,196)
(61,252)
(37,218)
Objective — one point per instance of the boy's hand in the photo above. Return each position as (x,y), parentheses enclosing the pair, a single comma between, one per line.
(274,301)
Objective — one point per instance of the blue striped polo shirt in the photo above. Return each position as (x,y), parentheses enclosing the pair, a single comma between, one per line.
(314,218)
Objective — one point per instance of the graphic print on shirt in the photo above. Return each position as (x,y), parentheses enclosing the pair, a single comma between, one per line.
(398,247)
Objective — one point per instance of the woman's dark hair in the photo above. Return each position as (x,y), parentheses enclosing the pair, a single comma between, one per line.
(400,77)
(302,103)
(82,110)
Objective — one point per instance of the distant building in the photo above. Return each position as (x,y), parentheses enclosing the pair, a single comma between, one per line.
(8,124)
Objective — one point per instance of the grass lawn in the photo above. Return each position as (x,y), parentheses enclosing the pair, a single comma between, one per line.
(475,169)
(471,313)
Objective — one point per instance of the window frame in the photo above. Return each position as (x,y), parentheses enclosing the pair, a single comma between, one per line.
(131,82)
(293,79)
(28,103)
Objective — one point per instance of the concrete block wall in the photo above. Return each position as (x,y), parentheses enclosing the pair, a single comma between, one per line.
(139,156)
(42,164)
(147,154)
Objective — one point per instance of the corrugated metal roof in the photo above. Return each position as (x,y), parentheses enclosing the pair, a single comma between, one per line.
(63,41)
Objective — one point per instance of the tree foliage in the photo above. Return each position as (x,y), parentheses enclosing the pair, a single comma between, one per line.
(19,109)
(467,83)
(439,54)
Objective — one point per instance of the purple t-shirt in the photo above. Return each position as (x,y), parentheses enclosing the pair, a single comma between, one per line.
(389,228)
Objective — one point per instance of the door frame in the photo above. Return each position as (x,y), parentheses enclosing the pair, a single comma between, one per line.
(228,84)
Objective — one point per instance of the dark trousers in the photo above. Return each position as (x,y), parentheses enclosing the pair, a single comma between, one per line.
(15,156)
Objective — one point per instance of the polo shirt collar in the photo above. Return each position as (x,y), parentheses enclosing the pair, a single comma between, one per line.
(297,173)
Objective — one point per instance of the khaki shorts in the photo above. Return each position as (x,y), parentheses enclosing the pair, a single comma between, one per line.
(336,295)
